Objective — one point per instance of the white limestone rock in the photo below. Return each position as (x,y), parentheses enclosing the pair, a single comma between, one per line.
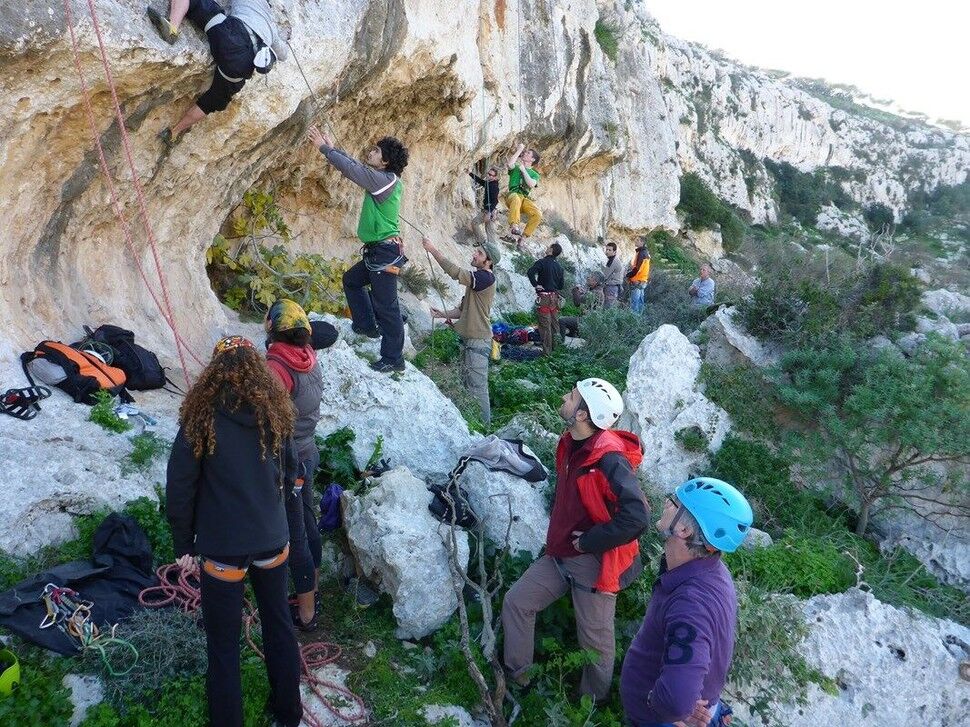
(708,243)
(662,398)
(756,539)
(370,348)
(86,691)
(893,666)
(401,549)
(492,493)
(941,326)
(846,224)
(946,302)
(348,710)
(455,716)
(420,426)
(729,344)
(59,465)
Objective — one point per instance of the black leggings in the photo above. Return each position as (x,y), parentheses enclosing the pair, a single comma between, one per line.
(222,605)
(232,49)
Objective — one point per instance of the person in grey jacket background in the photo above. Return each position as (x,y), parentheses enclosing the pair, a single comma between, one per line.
(612,277)
(242,39)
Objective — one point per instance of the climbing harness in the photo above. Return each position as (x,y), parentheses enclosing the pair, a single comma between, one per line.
(72,616)
(570,581)
(23,403)
(164,305)
(182,587)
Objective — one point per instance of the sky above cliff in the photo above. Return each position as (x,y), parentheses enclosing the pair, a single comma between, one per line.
(915,53)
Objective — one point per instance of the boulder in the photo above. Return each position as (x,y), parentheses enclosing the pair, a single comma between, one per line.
(662,398)
(420,426)
(401,548)
(707,242)
(59,465)
(756,539)
(369,348)
(86,691)
(492,493)
(325,717)
(910,342)
(892,666)
(946,302)
(850,225)
(730,345)
(941,326)
(451,715)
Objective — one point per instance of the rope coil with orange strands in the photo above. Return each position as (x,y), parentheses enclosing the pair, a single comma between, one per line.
(182,588)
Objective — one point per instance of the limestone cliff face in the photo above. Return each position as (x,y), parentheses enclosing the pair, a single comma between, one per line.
(459,82)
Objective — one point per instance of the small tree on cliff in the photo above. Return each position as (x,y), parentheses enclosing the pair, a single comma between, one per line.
(897,429)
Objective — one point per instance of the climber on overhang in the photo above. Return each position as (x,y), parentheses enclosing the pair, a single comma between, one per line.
(523,178)
(377,315)
(242,40)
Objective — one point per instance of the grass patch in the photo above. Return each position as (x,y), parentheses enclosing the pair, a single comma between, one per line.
(606,37)
(103,413)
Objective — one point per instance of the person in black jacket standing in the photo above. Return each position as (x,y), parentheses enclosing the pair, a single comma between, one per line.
(232,464)
(547,278)
(489,200)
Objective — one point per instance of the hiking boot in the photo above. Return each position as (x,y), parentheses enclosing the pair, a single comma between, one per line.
(372,333)
(384,366)
(164,28)
(306,626)
(362,592)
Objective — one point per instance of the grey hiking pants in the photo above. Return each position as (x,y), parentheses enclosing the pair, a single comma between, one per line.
(475,353)
(538,588)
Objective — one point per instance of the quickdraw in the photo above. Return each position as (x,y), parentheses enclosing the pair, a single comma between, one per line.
(72,615)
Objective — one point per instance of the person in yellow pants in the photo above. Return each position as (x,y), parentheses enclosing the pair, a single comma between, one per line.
(523,178)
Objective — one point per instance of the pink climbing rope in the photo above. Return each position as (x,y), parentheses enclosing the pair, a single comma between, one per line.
(182,588)
(164,307)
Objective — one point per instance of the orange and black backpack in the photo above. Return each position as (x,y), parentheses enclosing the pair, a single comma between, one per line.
(85,373)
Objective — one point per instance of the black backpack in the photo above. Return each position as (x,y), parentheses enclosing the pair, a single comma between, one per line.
(450,503)
(140,365)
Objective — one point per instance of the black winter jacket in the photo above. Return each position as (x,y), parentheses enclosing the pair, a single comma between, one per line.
(229,502)
(547,272)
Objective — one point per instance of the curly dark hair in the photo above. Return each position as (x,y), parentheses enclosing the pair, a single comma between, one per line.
(395,154)
(233,380)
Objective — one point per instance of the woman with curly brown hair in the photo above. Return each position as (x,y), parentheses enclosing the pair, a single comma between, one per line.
(232,465)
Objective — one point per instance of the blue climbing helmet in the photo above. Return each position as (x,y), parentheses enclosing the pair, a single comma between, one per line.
(722,512)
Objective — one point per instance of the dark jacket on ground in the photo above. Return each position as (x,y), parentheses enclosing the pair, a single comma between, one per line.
(230,502)
(547,272)
(597,493)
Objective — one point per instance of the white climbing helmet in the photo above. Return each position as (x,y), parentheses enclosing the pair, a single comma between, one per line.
(603,401)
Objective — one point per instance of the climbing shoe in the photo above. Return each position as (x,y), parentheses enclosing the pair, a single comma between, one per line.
(307,626)
(385,367)
(363,594)
(372,333)
(164,28)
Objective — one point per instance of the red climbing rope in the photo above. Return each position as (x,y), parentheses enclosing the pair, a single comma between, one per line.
(166,308)
(182,588)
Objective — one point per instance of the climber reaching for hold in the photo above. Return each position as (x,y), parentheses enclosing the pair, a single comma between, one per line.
(242,39)
(379,229)
(523,178)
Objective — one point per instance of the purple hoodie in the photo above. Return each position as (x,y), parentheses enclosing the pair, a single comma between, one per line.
(683,649)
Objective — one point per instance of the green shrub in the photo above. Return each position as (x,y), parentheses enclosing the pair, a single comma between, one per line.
(441,345)
(520,318)
(145,447)
(878,216)
(612,335)
(746,394)
(606,37)
(666,252)
(41,698)
(103,413)
(692,439)
(803,565)
(337,463)
(150,515)
(801,194)
(703,210)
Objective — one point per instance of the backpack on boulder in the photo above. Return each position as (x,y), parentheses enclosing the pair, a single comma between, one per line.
(85,373)
(141,366)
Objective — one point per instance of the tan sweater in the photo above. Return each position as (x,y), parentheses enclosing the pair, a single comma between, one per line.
(475,319)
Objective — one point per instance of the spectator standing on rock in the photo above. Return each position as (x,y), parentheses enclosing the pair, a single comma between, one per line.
(591,545)
(702,289)
(231,468)
(290,356)
(523,178)
(612,277)
(243,39)
(473,320)
(377,315)
(681,655)
(639,276)
(548,279)
(489,185)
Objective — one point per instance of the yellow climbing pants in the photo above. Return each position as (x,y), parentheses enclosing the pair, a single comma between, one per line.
(518,204)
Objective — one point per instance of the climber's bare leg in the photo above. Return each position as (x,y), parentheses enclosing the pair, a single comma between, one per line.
(191,117)
(176,13)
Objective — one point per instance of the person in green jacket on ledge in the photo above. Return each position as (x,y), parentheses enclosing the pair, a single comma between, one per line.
(379,313)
